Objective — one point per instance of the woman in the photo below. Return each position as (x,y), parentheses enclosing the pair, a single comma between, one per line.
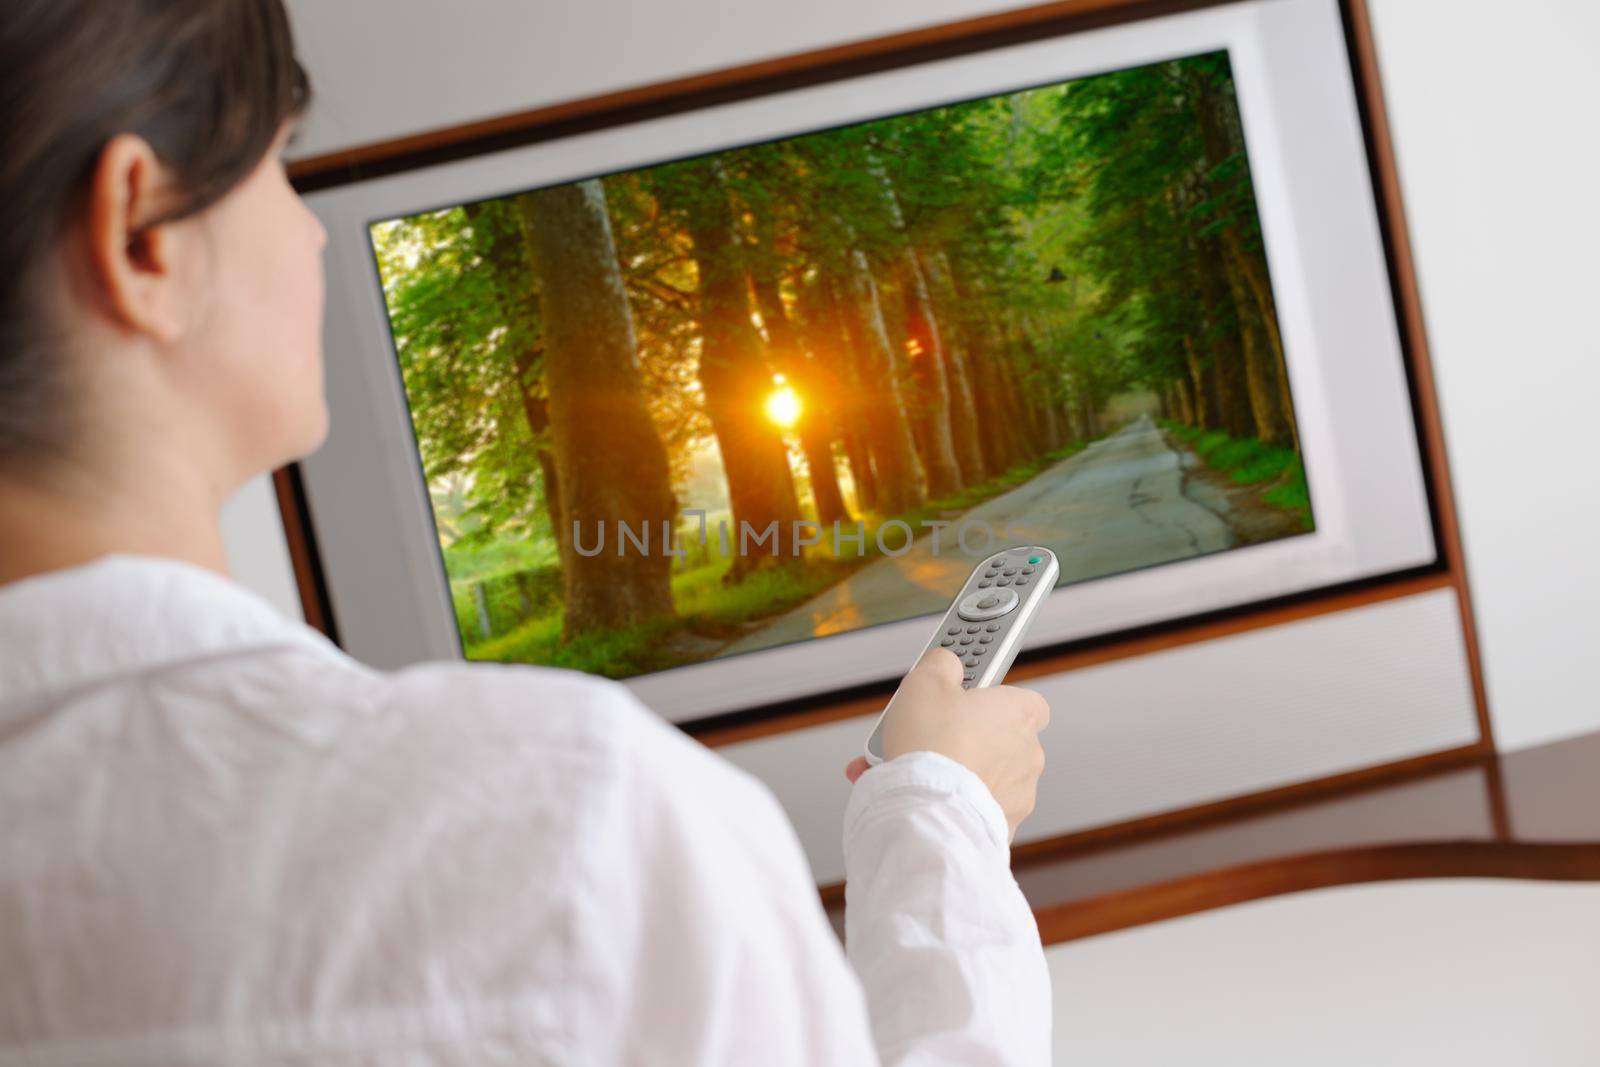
(224,840)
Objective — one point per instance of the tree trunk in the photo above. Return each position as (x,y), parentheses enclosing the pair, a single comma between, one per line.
(537,414)
(1017,376)
(610,461)
(1003,435)
(994,382)
(858,454)
(987,403)
(1088,418)
(815,426)
(1255,279)
(1218,342)
(1185,402)
(736,382)
(964,428)
(1225,327)
(1068,412)
(831,346)
(1042,391)
(964,416)
(930,411)
(1222,138)
(1204,383)
(894,452)
(1261,370)
(1052,425)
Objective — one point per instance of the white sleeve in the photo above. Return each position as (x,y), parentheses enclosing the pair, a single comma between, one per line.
(935,925)
(717,952)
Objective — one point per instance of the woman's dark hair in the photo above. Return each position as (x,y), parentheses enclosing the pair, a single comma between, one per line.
(208,83)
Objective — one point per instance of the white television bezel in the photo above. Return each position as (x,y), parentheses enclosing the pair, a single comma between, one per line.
(369,506)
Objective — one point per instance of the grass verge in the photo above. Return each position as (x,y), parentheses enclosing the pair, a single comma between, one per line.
(1249,462)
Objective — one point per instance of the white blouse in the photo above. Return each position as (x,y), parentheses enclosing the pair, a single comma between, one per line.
(222,840)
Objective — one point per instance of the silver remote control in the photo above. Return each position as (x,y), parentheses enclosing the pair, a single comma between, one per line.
(988,619)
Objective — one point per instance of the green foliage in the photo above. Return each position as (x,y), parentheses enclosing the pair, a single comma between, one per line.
(711,605)
(463,312)
(1126,150)
(707,607)
(617,653)
(511,596)
(1293,495)
(467,562)
(1249,462)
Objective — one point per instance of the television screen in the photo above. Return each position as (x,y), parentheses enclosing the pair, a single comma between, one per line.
(799,388)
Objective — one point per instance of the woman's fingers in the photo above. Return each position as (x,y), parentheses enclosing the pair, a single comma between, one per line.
(855,769)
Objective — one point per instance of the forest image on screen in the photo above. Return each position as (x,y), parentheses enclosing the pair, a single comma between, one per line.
(798,388)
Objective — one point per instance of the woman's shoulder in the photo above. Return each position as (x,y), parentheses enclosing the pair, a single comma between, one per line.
(506,755)
(462,718)
(624,765)
(521,705)
(554,722)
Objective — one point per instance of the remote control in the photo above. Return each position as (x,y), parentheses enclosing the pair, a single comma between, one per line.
(985,624)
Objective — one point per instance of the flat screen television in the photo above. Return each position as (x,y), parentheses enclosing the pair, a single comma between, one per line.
(727,403)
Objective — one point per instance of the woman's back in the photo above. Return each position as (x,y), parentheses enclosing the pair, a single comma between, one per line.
(225,840)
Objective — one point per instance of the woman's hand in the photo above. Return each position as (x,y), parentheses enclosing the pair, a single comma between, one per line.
(992,732)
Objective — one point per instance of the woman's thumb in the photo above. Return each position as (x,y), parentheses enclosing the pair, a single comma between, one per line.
(938,665)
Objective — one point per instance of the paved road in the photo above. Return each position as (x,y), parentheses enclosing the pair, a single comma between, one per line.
(1116,506)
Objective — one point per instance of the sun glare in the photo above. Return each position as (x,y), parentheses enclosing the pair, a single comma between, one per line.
(783,403)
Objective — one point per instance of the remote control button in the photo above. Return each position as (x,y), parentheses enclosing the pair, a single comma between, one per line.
(973,629)
(991,572)
(985,639)
(993,627)
(971,661)
(947,642)
(1028,570)
(1035,559)
(1010,571)
(1022,581)
(967,639)
(978,650)
(1002,581)
(987,604)
(953,630)
(998,561)
(986,583)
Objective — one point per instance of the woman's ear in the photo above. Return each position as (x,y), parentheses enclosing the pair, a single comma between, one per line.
(141,271)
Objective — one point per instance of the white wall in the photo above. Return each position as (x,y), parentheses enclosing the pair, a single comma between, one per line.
(258,554)
(1493,109)
(1466,973)
(442,65)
